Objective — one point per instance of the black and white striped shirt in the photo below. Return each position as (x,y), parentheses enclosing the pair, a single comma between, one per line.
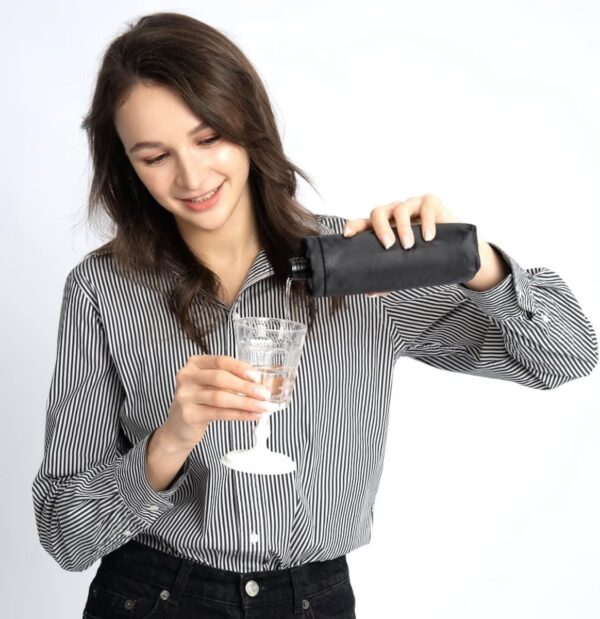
(119,349)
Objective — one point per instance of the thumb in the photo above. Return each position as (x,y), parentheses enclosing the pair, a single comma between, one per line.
(355,225)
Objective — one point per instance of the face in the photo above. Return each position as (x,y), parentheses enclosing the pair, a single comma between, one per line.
(183,161)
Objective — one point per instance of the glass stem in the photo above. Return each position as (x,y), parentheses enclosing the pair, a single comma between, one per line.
(262,431)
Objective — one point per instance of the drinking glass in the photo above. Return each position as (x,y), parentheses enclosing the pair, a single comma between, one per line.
(273,346)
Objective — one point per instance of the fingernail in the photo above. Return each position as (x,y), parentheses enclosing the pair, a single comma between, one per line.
(428,234)
(347,231)
(253,375)
(407,241)
(263,392)
(388,241)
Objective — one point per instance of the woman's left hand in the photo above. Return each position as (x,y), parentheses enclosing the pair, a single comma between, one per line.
(426,210)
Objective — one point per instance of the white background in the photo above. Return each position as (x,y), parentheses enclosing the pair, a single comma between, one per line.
(488,505)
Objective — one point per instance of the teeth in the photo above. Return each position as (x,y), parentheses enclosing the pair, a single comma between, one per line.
(206,197)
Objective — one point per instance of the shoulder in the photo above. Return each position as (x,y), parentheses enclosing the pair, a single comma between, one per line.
(98,275)
(91,270)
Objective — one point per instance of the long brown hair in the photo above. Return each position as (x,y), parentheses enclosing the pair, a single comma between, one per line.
(220,85)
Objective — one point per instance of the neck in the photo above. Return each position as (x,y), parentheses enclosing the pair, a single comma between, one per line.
(233,244)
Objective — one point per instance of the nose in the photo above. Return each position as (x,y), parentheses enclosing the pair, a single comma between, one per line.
(191,171)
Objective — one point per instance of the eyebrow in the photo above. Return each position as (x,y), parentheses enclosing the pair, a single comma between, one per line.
(141,145)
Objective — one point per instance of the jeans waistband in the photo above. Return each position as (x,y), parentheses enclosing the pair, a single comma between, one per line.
(181,576)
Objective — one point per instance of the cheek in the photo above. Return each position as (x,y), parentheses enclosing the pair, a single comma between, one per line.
(232,158)
(155,181)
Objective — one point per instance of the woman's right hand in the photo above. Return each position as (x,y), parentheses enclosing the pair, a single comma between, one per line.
(207,388)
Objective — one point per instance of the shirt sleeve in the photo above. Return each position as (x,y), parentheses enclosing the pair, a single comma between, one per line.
(91,493)
(529,328)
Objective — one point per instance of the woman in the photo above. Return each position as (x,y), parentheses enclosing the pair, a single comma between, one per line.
(146,393)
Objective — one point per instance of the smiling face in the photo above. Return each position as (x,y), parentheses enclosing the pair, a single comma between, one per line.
(177,157)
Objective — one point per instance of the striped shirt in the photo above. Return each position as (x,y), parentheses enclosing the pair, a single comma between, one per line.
(118,351)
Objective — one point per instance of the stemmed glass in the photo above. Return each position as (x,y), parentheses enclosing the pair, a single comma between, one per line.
(273,346)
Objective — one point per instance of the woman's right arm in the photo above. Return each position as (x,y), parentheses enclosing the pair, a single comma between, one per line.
(93,492)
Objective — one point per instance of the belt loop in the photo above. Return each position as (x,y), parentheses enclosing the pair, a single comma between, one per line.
(295,575)
(181,580)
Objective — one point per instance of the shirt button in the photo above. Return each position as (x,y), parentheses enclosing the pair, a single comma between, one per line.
(252,588)
(127,532)
(254,538)
(153,508)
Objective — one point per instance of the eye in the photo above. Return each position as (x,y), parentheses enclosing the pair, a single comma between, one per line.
(209,140)
(206,142)
(153,161)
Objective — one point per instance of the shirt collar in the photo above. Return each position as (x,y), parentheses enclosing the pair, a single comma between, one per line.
(261,267)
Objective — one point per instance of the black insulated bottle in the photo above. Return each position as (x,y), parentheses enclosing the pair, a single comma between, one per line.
(335,265)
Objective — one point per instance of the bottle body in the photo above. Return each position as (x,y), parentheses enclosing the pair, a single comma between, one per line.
(335,265)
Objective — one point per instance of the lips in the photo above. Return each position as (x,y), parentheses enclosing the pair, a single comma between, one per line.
(208,203)
(202,195)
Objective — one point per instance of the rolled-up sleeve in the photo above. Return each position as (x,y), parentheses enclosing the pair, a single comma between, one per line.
(91,493)
(529,328)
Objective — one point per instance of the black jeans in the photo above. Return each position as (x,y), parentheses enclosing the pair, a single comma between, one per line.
(139,582)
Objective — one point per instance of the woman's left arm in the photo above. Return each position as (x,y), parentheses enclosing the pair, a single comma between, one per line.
(510,323)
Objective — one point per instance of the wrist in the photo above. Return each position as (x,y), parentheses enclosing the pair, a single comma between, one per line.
(167,442)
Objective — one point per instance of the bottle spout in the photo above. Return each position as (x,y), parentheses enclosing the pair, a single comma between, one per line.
(299,268)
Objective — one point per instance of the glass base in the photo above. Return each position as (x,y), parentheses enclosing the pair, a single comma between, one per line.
(259,461)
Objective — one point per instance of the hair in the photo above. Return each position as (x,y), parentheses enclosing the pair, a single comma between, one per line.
(219,84)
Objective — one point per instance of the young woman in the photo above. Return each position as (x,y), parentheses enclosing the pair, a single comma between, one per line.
(147,394)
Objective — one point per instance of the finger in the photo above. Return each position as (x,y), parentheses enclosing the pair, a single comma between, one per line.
(403,214)
(225,380)
(220,375)
(214,413)
(380,220)
(354,226)
(220,398)
(233,415)
(224,362)
(429,209)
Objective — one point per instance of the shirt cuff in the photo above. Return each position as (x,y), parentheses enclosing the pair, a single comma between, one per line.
(135,490)
(510,298)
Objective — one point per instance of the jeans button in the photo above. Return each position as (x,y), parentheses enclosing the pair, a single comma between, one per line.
(305,604)
(164,594)
(252,588)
